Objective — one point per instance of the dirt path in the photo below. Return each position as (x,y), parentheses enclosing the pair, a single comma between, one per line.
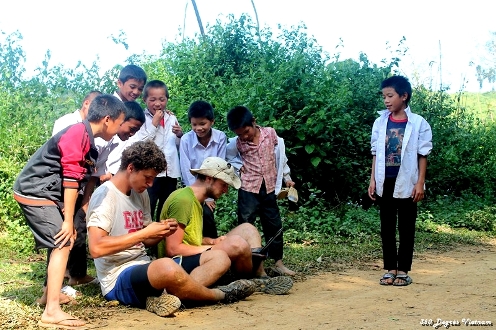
(451,286)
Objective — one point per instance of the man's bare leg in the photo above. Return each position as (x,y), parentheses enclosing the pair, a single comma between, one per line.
(165,274)
(282,269)
(250,233)
(239,252)
(213,264)
(56,269)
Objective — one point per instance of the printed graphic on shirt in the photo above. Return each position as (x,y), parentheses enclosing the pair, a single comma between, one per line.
(394,143)
(133,220)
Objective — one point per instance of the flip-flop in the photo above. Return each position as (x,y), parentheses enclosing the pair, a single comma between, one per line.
(407,280)
(60,325)
(387,276)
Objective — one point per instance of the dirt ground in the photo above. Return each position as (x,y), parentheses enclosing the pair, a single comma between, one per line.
(451,286)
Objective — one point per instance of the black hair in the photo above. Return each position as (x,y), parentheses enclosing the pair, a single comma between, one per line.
(155,84)
(105,105)
(400,84)
(91,95)
(132,71)
(201,109)
(143,155)
(134,111)
(239,117)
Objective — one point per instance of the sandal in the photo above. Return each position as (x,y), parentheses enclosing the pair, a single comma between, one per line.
(407,280)
(386,277)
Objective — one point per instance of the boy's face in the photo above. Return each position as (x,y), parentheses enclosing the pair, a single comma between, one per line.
(111,127)
(393,101)
(141,180)
(156,99)
(130,90)
(246,133)
(201,126)
(129,128)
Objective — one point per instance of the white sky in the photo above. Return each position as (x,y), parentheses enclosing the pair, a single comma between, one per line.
(80,30)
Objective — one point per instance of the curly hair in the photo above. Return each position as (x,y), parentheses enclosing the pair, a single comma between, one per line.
(143,155)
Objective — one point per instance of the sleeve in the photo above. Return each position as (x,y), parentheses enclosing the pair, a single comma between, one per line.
(101,209)
(374,137)
(185,161)
(425,138)
(147,216)
(286,171)
(221,151)
(178,208)
(232,154)
(73,146)
(147,131)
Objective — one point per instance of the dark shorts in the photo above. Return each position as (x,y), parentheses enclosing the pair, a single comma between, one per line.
(45,222)
(133,287)
(188,263)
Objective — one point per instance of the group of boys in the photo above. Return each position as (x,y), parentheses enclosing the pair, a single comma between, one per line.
(136,165)
(112,143)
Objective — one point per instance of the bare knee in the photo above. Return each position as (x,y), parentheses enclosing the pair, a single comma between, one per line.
(164,272)
(237,246)
(220,257)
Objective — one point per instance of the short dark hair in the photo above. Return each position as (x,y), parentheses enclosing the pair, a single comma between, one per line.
(143,155)
(400,84)
(105,105)
(201,109)
(132,71)
(155,84)
(134,111)
(239,117)
(91,95)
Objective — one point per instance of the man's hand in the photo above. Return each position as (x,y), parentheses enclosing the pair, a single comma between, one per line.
(160,229)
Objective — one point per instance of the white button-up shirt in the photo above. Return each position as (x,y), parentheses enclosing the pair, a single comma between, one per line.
(66,121)
(416,141)
(192,153)
(163,137)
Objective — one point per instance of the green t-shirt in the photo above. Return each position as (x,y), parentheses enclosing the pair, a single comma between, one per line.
(183,206)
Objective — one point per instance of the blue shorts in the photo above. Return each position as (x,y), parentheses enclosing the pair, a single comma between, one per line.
(133,287)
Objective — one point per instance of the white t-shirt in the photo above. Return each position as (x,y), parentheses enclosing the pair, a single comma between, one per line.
(118,214)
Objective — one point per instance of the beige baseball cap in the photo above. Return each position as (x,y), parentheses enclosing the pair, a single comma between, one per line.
(218,168)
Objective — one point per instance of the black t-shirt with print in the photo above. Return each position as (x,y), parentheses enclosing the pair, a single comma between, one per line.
(395,132)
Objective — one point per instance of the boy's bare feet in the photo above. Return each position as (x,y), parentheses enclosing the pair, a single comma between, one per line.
(282,269)
(60,319)
(63,299)
(80,280)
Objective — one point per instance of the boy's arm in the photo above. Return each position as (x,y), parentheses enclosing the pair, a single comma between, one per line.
(147,131)
(67,232)
(371,189)
(418,189)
